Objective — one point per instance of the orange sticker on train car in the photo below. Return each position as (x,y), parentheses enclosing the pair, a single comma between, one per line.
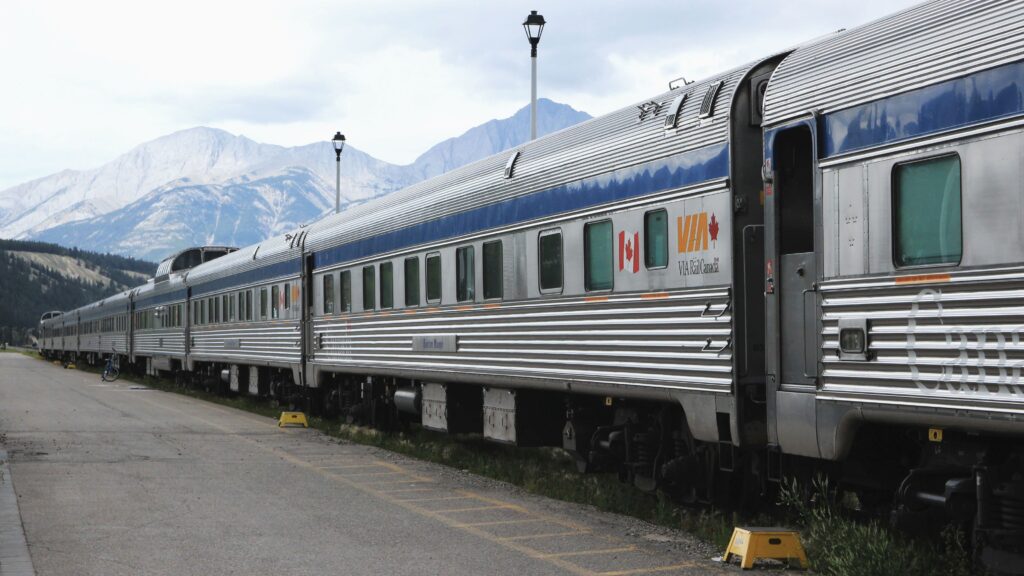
(921,279)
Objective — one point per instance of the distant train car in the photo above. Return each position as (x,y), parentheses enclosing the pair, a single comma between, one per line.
(50,333)
(247,315)
(104,328)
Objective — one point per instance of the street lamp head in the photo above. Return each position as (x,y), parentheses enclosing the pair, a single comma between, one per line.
(534,27)
(339,143)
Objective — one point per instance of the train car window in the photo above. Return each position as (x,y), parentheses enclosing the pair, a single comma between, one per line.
(493,270)
(202,312)
(346,291)
(263,303)
(275,296)
(434,277)
(927,226)
(248,305)
(328,293)
(597,256)
(287,296)
(231,308)
(369,288)
(387,285)
(465,275)
(656,239)
(412,281)
(549,260)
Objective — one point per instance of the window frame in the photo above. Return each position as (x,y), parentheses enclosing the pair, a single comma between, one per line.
(414,278)
(380,285)
(501,269)
(264,299)
(345,306)
(466,289)
(440,277)
(893,216)
(275,296)
(327,293)
(586,256)
(561,249)
(647,248)
(372,292)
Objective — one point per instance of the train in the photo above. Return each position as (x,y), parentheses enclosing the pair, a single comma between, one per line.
(812,262)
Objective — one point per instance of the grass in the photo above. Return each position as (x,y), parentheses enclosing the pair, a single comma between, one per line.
(837,544)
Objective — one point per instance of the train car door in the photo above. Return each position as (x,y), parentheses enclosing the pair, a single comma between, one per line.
(791,270)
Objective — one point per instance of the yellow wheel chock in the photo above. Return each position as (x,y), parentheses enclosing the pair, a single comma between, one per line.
(297,418)
(775,543)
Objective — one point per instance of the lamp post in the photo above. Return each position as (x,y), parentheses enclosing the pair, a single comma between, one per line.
(534,26)
(339,145)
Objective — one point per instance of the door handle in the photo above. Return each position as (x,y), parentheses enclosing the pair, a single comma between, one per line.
(812,334)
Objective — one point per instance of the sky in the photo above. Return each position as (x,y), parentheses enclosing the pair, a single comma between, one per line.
(86,81)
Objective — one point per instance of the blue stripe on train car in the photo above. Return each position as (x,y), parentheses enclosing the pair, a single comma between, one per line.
(174,296)
(685,169)
(280,270)
(981,97)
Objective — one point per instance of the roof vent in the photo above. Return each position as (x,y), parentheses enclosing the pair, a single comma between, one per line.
(672,116)
(707,107)
(511,164)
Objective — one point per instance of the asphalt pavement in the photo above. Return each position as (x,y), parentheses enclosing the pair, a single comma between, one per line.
(116,478)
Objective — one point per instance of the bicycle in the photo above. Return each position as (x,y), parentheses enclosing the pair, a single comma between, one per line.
(111,371)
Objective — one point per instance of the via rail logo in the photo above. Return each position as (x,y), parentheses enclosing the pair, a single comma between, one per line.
(694,234)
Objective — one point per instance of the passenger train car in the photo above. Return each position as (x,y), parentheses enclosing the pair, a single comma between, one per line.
(811,262)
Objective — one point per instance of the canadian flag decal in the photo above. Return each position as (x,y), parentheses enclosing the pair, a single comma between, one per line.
(629,252)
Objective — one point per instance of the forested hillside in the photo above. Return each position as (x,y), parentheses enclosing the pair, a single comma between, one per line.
(36,277)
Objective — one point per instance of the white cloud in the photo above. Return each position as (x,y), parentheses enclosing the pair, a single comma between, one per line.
(85,81)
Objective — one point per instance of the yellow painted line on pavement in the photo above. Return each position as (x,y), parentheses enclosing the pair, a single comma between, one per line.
(499,522)
(654,570)
(404,490)
(472,509)
(349,466)
(436,498)
(546,535)
(589,552)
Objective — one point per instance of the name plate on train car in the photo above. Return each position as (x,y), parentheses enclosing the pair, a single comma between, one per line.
(232,344)
(435,343)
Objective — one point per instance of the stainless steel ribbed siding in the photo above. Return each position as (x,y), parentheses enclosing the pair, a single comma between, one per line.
(160,342)
(595,147)
(257,343)
(665,342)
(957,345)
(917,47)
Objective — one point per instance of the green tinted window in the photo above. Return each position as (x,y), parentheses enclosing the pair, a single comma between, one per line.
(656,239)
(597,255)
(275,299)
(412,281)
(387,285)
(549,248)
(433,277)
(465,275)
(493,270)
(369,288)
(346,291)
(263,303)
(926,212)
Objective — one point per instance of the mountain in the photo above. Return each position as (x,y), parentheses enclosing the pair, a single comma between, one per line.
(207,186)
(37,277)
